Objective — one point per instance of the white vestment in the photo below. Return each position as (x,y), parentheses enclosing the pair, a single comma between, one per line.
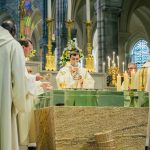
(26,119)
(65,77)
(143,77)
(12,89)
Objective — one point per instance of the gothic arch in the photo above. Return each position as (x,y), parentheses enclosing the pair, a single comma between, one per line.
(134,24)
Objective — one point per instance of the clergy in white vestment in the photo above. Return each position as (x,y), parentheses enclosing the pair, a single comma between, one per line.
(142,78)
(12,87)
(74,76)
(34,88)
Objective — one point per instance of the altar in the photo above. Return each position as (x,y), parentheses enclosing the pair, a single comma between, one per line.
(83,97)
(74,128)
(69,119)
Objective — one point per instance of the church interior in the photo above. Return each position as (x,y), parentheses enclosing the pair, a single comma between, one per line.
(110,111)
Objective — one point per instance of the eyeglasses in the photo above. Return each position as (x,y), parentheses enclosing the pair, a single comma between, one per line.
(131,68)
(75,59)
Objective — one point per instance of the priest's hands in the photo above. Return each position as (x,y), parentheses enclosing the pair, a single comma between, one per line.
(80,83)
(38,77)
(46,86)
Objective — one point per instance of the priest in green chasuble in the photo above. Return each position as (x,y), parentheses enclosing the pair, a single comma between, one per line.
(72,75)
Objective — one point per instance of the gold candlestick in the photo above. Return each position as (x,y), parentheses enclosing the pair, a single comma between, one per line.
(50,58)
(22,14)
(113,71)
(69,24)
(89,59)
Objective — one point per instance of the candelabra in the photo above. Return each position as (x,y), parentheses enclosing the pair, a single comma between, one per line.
(69,24)
(113,72)
(50,58)
(89,59)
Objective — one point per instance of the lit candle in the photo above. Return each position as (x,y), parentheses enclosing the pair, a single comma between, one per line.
(126,81)
(118,61)
(103,67)
(88,10)
(112,63)
(132,78)
(49,9)
(114,57)
(69,10)
(118,82)
(108,61)
(123,66)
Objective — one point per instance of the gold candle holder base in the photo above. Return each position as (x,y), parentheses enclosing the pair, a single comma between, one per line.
(50,63)
(90,59)
(90,63)
(113,71)
(50,58)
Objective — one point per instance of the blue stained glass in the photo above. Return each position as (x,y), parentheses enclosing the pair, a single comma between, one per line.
(140,53)
(28,7)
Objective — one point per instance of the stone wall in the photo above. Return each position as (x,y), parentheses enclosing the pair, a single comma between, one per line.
(73,128)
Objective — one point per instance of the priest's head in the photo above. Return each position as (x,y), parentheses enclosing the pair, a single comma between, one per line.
(74,58)
(131,67)
(10,26)
(27,46)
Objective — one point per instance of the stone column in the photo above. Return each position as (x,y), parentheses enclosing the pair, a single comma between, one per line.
(60,28)
(43,42)
(123,38)
(107,25)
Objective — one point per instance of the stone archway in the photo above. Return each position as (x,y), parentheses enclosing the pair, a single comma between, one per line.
(134,24)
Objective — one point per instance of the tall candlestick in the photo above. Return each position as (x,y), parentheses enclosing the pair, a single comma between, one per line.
(88,10)
(49,9)
(118,82)
(103,67)
(126,81)
(122,66)
(69,10)
(118,61)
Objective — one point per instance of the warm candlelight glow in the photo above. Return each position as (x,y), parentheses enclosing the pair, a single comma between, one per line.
(69,10)
(118,82)
(49,9)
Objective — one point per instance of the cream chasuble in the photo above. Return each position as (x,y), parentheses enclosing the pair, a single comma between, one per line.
(142,78)
(65,78)
(12,89)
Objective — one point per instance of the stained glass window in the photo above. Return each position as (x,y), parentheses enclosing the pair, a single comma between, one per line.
(28,7)
(140,53)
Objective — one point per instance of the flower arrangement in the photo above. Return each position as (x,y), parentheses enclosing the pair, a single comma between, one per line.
(32,53)
(72,46)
